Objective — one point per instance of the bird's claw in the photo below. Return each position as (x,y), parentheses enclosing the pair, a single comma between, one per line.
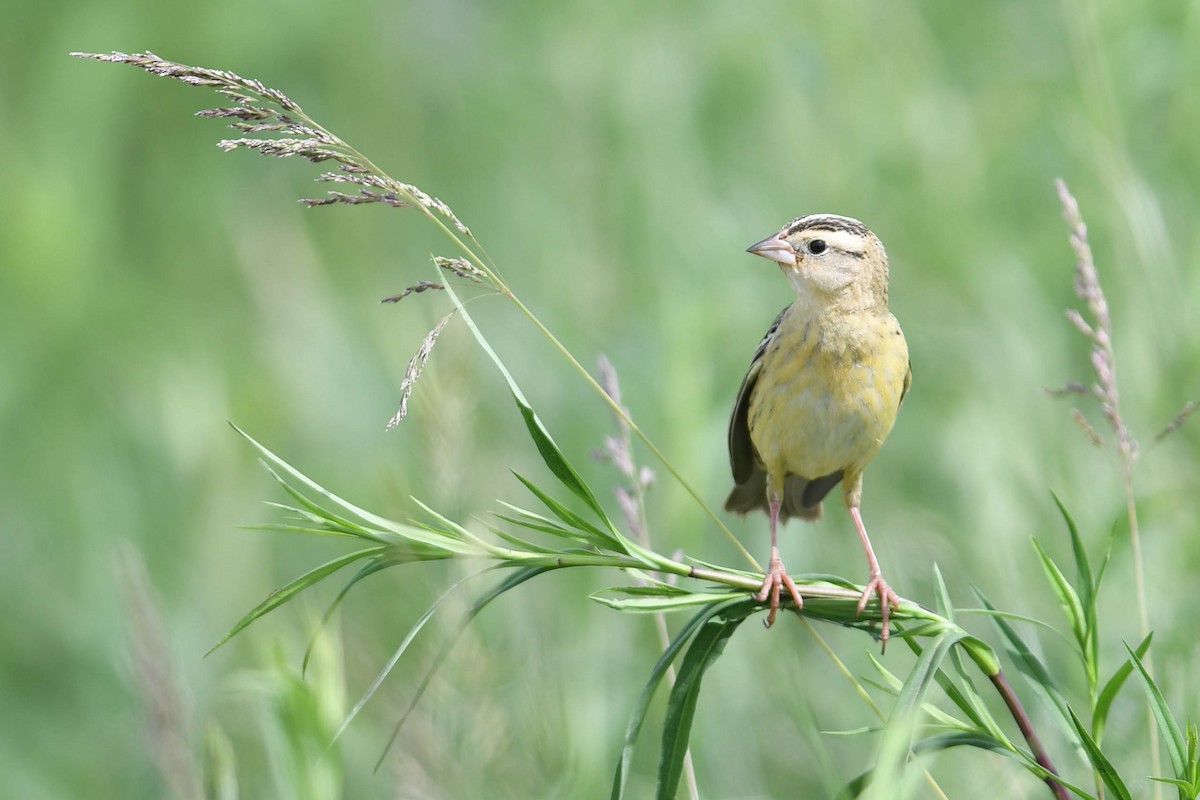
(888,599)
(775,578)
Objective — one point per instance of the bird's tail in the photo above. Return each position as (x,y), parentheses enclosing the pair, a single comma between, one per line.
(752,496)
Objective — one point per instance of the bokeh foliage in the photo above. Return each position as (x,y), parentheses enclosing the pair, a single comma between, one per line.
(615,159)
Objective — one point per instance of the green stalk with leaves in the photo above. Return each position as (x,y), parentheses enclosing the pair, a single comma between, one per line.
(568,527)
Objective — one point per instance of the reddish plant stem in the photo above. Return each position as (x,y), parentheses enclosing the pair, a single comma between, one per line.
(1035,745)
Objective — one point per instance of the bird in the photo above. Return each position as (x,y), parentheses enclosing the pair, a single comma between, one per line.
(822,392)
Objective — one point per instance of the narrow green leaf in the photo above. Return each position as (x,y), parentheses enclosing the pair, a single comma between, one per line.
(370,568)
(1034,671)
(554,459)
(317,513)
(515,579)
(706,647)
(637,715)
(944,741)
(400,650)
(965,697)
(517,541)
(898,731)
(664,603)
(285,593)
(1067,597)
(1172,737)
(1187,787)
(1104,768)
(276,465)
(1109,693)
(538,522)
(944,606)
(594,534)
(1083,567)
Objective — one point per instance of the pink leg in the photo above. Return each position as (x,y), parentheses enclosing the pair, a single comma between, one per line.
(776,575)
(888,599)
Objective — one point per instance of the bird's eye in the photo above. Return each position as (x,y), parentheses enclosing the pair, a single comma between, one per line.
(817,246)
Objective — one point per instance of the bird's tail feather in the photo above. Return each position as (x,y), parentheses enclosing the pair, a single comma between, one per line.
(752,496)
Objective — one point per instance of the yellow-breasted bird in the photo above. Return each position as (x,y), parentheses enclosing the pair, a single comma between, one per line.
(822,391)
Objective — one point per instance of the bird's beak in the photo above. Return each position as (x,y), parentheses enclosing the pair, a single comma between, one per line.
(775,248)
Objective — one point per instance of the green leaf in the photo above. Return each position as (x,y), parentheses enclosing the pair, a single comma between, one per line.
(658,601)
(1172,737)
(554,459)
(1104,768)
(1083,567)
(637,715)
(594,535)
(1109,693)
(706,647)
(1034,671)
(370,568)
(275,465)
(1071,604)
(512,581)
(966,698)
(400,650)
(944,606)
(945,741)
(285,593)
(901,723)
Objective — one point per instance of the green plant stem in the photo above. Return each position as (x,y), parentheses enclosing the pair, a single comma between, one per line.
(493,275)
(616,408)
(620,412)
(1139,582)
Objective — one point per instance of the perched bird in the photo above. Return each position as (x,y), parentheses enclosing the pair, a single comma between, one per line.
(822,391)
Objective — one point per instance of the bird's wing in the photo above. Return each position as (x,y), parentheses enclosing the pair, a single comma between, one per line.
(742,458)
(907,385)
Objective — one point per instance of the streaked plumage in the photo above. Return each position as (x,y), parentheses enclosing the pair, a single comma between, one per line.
(823,388)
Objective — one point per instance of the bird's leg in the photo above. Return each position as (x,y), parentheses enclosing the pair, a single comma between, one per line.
(776,575)
(888,599)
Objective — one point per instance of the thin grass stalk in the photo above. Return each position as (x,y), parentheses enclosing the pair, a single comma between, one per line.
(1105,391)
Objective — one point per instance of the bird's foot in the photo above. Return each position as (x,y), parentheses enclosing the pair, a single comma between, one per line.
(775,578)
(888,599)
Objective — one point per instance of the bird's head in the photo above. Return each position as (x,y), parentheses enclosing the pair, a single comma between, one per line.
(829,258)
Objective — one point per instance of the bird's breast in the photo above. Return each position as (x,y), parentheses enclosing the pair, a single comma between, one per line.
(827,394)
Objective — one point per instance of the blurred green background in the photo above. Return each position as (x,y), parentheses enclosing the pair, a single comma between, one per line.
(615,159)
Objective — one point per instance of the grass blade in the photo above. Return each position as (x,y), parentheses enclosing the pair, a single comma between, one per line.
(1083,567)
(370,568)
(637,715)
(1109,692)
(1067,596)
(285,593)
(400,650)
(1176,747)
(1034,671)
(1104,768)
(901,723)
(514,580)
(706,647)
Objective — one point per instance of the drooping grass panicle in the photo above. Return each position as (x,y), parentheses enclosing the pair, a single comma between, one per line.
(416,288)
(460,267)
(259,109)
(415,365)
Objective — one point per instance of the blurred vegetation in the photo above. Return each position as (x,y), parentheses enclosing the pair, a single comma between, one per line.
(615,159)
